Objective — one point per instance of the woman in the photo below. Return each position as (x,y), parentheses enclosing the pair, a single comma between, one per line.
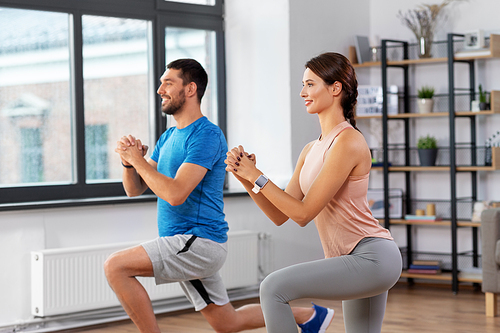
(329,185)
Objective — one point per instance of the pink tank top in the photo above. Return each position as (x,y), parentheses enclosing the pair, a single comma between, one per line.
(347,218)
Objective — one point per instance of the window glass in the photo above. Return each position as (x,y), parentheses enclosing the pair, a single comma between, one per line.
(198,45)
(35,101)
(96,152)
(32,155)
(116,90)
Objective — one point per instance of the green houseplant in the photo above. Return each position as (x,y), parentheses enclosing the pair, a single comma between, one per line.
(425,99)
(426,92)
(483,100)
(427,150)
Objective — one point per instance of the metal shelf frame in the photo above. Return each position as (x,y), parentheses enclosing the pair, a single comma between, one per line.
(406,117)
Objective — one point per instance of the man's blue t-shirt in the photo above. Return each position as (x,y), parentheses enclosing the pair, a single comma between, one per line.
(201,143)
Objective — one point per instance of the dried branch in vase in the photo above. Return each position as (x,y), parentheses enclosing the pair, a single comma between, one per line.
(422,22)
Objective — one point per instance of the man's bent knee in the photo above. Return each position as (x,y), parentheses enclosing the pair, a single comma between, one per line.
(110,267)
(129,262)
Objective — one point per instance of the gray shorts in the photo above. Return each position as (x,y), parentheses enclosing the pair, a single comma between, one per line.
(192,261)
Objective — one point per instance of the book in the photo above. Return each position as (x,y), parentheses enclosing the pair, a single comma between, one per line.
(422,218)
(363,50)
(471,273)
(427,262)
(427,267)
(424,271)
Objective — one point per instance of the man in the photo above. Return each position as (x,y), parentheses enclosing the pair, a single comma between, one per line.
(186,171)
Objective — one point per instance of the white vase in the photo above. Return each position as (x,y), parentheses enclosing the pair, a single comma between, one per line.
(425,105)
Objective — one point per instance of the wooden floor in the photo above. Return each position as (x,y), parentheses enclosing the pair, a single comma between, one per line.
(417,308)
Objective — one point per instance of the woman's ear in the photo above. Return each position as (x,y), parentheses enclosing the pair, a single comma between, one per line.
(336,88)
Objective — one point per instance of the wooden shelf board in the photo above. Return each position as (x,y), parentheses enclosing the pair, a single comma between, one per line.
(486,56)
(417,61)
(441,276)
(475,113)
(476,168)
(495,163)
(418,115)
(478,279)
(368,64)
(433,223)
(468,224)
(368,116)
(442,223)
(495,107)
(419,168)
(494,50)
(377,168)
(432,114)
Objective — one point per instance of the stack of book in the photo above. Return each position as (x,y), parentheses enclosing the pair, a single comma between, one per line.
(432,267)
(422,218)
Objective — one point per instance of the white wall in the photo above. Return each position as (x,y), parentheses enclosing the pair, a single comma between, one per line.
(316,27)
(267,44)
(26,231)
(258,97)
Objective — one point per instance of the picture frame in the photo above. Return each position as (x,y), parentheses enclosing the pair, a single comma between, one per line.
(363,50)
(474,40)
(375,199)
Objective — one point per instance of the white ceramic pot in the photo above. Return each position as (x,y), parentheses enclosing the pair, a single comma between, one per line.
(425,105)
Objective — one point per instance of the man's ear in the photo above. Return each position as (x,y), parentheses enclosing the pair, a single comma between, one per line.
(192,88)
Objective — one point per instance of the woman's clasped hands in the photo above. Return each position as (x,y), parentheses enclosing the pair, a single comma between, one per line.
(242,164)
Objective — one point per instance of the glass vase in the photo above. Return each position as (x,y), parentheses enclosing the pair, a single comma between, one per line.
(424,47)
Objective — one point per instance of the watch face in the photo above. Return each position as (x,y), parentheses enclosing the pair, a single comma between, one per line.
(261,181)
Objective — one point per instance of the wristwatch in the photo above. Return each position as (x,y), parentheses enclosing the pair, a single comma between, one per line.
(260,183)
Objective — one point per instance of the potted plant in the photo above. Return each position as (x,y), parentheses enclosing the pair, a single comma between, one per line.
(427,150)
(425,99)
(483,104)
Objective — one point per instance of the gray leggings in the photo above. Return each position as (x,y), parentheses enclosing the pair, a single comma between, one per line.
(360,279)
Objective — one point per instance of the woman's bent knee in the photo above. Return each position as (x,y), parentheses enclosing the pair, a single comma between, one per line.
(272,288)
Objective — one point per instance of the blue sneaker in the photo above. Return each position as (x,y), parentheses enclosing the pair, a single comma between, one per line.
(320,322)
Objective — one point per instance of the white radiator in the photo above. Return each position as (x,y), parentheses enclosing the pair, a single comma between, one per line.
(72,279)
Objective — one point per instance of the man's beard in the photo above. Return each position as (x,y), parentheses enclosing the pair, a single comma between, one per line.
(175,105)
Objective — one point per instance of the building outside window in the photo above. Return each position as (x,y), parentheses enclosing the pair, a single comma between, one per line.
(115,88)
(96,152)
(31,155)
(35,93)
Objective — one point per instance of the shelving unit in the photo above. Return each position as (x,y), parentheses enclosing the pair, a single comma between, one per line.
(453,221)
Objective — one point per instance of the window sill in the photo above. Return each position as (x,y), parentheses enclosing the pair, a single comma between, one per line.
(95,201)
(76,202)
(235,193)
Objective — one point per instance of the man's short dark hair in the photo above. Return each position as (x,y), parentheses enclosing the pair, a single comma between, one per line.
(191,71)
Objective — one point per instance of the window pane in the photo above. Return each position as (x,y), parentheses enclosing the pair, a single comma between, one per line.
(32,155)
(198,45)
(35,103)
(96,151)
(116,90)
(195,2)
